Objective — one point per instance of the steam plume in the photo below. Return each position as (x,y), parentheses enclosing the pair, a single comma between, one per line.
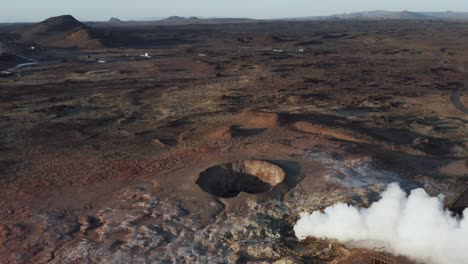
(416,226)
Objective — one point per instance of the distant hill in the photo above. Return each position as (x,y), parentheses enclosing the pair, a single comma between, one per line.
(61,31)
(176,18)
(58,24)
(115,20)
(390,15)
(380,14)
(448,15)
(404,15)
(171,21)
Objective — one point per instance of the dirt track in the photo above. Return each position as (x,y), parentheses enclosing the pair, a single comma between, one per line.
(456,99)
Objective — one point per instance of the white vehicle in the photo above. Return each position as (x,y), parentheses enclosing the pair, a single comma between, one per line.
(146,55)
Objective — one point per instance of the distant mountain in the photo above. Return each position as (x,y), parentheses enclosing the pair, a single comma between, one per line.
(392,15)
(59,24)
(175,18)
(449,15)
(170,21)
(114,20)
(61,31)
(381,14)
(179,20)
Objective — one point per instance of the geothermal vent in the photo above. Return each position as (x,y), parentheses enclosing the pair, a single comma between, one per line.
(250,176)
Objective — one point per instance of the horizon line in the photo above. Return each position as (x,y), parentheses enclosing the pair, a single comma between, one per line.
(227,17)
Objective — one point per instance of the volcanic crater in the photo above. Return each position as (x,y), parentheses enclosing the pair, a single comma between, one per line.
(250,176)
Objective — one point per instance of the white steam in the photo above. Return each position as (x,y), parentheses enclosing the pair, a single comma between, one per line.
(416,226)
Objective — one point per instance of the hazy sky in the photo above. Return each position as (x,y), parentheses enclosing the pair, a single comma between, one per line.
(36,10)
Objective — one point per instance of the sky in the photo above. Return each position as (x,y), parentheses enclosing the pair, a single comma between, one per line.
(100,10)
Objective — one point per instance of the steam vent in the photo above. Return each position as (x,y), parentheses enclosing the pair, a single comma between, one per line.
(250,176)
(460,204)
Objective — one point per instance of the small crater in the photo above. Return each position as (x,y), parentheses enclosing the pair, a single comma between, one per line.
(239,132)
(250,176)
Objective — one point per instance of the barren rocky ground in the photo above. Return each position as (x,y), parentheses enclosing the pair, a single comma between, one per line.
(208,149)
